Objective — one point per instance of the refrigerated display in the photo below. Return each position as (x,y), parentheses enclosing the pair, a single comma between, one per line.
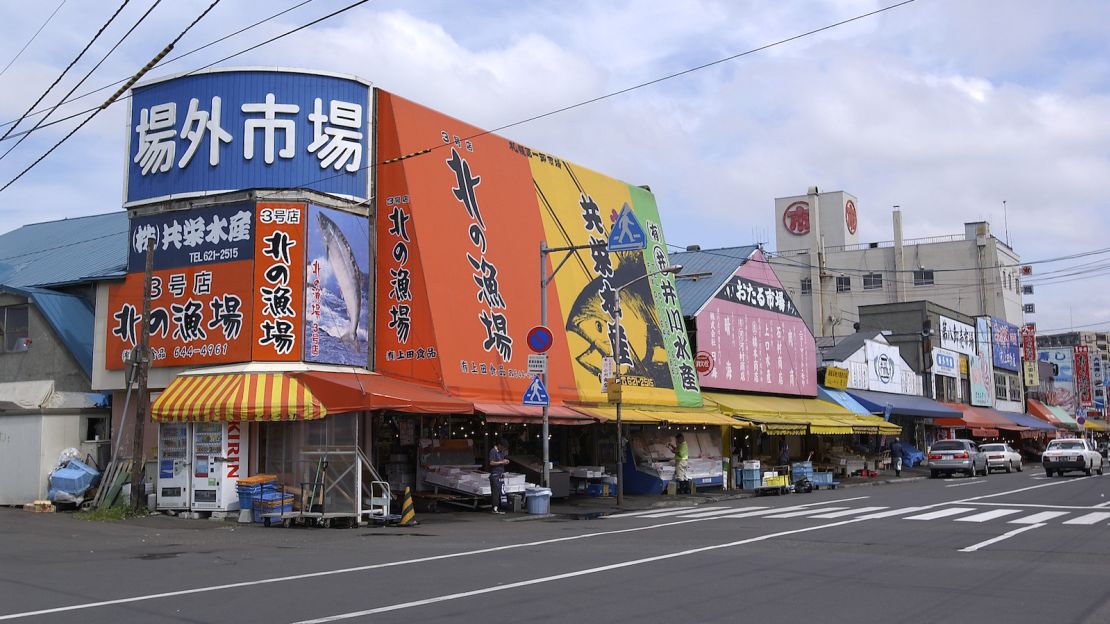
(174,475)
(219,456)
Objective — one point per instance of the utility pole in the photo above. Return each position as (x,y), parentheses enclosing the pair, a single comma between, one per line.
(138,452)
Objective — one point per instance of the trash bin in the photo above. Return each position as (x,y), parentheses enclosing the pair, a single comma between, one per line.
(539,500)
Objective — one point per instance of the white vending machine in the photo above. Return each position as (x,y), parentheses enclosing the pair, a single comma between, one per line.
(219,459)
(174,475)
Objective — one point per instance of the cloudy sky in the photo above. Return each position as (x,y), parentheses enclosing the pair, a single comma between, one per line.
(944,107)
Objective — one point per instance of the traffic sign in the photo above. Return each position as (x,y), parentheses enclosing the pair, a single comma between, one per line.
(537,364)
(536,394)
(627,235)
(539,339)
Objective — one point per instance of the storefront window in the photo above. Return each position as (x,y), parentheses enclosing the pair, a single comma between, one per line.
(1000,387)
(14,328)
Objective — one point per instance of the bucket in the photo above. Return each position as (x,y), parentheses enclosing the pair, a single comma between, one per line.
(539,500)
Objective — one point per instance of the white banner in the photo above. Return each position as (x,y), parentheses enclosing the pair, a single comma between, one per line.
(957,336)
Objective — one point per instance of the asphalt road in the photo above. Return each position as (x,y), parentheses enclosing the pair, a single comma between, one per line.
(1007,548)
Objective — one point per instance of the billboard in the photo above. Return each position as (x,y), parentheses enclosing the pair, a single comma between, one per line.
(982,381)
(459,234)
(755,336)
(225,130)
(1062,360)
(337,287)
(957,336)
(1005,345)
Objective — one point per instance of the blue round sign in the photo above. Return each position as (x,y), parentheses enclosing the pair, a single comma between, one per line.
(539,339)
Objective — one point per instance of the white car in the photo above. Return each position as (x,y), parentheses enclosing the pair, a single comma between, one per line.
(1066,454)
(1000,456)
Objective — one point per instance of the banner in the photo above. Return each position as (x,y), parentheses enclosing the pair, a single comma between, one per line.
(1062,360)
(1005,350)
(957,336)
(278,281)
(982,382)
(337,283)
(1083,376)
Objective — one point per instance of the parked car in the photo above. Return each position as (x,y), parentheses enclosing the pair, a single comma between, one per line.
(1001,457)
(952,456)
(1068,454)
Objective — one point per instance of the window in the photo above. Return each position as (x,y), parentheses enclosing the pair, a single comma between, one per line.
(1015,389)
(922,277)
(807,286)
(843,283)
(872,281)
(1000,391)
(13,328)
(947,389)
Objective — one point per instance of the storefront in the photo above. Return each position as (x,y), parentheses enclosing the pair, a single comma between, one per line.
(915,414)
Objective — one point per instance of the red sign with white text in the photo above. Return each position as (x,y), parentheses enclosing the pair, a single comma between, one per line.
(278,281)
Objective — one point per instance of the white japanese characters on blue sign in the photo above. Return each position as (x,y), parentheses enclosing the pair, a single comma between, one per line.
(239,129)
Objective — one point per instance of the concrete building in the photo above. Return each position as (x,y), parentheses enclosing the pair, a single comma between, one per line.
(830,274)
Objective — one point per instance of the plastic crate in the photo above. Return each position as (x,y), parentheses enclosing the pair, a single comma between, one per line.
(778,481)
(276,504)
(250,493)
(601,489)
(750,484)
(822,478)
(802,469)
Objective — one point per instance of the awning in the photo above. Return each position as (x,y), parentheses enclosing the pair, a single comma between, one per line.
(797,416)
(1042,412)
(237,396)
(1094,425)
(841,398)
(355,392)
(1026,420)
(650,416)
(509,413)
(983,421)
(902,404)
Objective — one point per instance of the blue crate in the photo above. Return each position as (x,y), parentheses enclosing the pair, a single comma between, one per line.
(822,478)
(252,492)
(275,503)
(750,484)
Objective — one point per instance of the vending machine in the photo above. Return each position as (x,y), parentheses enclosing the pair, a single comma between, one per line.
(174,475)
(219,459)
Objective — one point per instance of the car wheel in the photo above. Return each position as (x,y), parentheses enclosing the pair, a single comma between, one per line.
(1009,467)
(1047,472)
(933,474)
(1100,468)
(1021,467)
(974,472)
(1087,470)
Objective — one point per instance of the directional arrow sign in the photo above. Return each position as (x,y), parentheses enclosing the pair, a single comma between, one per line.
(627,235)
(536,394)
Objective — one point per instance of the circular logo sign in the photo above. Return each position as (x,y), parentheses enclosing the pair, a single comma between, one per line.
(850,216)
(884,368)
(539,339)
(703,362)
(796,218)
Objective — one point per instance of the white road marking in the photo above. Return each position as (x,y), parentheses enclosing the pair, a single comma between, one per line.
(1101,505)
(942,513)
(804,512)
(894,512)
(750,514)
(966,483)
(1091,518)
(1004,536)
(989,515)
(631,514)
(1035,505)
(849,512)
(1039,517)
(708,514)
(665,514)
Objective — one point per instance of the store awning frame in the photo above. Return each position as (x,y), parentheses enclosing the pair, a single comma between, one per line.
(531,415)
(237,397)
(651,415)
(982,421)
(798,415)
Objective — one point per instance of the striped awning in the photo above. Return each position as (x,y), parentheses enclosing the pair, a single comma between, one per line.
(651,415)
(237,396)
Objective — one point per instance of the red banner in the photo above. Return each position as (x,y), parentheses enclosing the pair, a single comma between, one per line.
(279,281)
(1083,376)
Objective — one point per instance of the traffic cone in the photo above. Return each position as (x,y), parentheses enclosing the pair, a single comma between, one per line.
(408,512)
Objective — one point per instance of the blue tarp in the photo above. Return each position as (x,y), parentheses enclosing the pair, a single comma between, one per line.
(903,404)
(70,482)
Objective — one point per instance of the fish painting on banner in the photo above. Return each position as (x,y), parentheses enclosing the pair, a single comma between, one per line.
(337,286)
(480,205)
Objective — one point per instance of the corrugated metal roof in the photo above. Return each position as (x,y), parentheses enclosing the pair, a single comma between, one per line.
(722,263)
(63,252)
(846,346)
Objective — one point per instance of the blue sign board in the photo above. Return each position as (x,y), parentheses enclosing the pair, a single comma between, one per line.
(185,238)
(219,131)
(627,235)
(536,394)
(1006,345)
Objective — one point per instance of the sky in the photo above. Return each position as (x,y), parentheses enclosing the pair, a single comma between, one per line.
(947,108)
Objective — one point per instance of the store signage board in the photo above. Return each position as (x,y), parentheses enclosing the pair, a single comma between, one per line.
(957,336)
(981,381)
(1032,375)
(537,364)
(946,363)
(1005,345)
(536,394)
(836,378)
(218,131)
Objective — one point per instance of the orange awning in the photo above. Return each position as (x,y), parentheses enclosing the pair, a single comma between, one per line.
(983,421)
(510,413)
(356,392)
(238,396)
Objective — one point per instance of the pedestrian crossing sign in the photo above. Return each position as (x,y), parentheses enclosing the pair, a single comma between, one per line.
(536,394)
(627,235)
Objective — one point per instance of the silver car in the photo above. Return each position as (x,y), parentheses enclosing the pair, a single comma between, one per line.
(952,456)
(1000,456)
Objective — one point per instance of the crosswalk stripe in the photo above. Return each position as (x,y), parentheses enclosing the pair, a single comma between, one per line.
(632,514)
(1090,518)
(848,512)
(1039,517)
(893,512)
(805,512)
(679,512)
(718,512)
(943,513)
(763,512)
(989,515)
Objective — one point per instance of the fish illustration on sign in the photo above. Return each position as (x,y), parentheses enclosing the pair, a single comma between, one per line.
(347,274)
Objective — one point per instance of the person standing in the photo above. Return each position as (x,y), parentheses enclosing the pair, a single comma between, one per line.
(681,461)
(498,458)
(896,456)
(784,453)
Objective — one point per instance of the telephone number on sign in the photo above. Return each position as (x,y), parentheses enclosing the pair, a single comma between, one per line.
(156,354)
(214,255)
(203,350)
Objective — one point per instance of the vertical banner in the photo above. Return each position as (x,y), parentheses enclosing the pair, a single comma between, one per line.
(1083,376)
(337,305)
(278,281)
(1029,355)
(981,381)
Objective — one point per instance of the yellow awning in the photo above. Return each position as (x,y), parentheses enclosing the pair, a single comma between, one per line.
(1094,425)
(645,416)
(797,416)
(237,396)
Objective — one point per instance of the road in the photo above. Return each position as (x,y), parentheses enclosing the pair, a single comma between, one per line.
(1009,547)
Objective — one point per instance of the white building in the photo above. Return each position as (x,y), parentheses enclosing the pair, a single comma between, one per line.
(829,273)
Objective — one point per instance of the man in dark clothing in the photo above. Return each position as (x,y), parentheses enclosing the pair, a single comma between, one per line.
(896,456)
(498,458)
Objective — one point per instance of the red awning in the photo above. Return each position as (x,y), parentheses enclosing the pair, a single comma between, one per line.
(1038,409)
(510,413)
(984,422)
(355,392)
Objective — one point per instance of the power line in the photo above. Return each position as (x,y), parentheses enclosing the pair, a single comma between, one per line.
(64,71)
(32,39)
(160,64)
(38,124)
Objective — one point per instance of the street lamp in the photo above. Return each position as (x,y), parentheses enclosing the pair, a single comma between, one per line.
(619,352)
